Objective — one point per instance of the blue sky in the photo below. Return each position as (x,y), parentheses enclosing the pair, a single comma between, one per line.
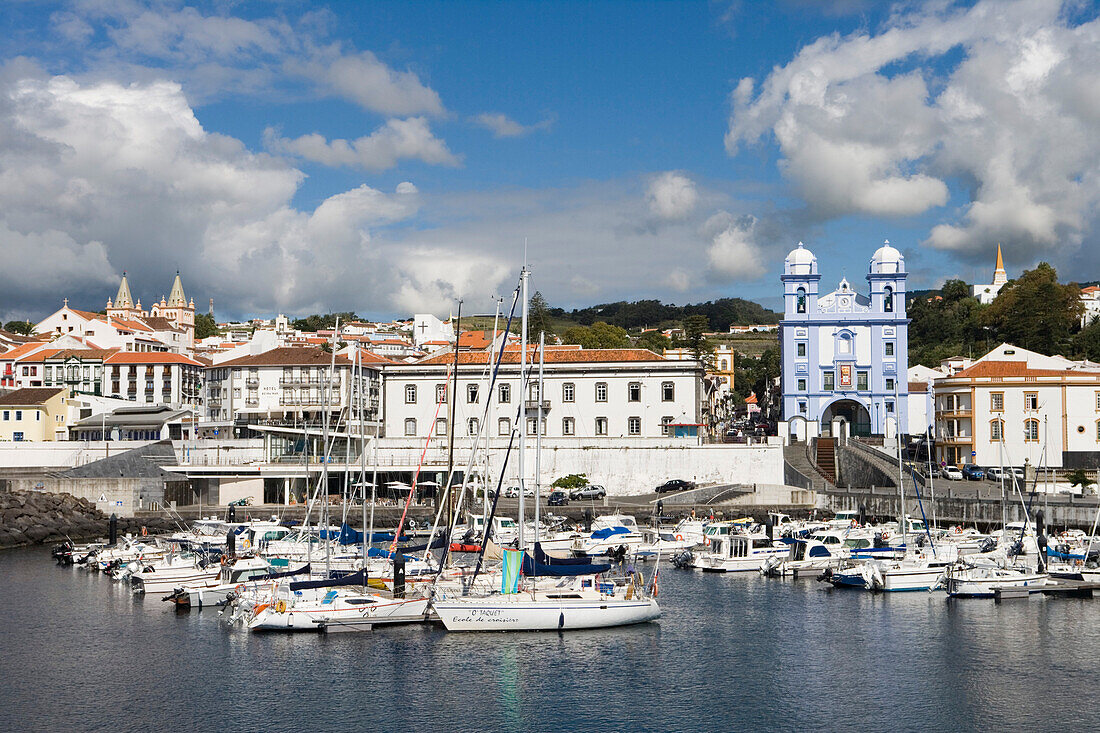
(392,157)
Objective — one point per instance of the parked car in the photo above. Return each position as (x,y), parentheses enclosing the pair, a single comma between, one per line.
(953,473)
(994,473)
(511,492)
(973,473)
(676,484)
(592,491)
(529,491)
(1018,473)
(557,498)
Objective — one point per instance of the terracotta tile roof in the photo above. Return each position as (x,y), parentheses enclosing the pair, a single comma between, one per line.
(151,357)
(20,351)
(995,369)
(66,353)
(158,323)
(553,356)
(918,386)
(1091,289)
(369,357)
(16,337)
(287,356)
(30,395)
(88,315)
(127,324)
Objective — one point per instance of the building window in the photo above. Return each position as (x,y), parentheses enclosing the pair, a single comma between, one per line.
(1098,431)
(844,344)
(634,392)
(889,346)
(888,299)
(997,401)
(1031,431)
(440,394)
(1031,401)
(802,385)
(722,365)
(828,381)
(889,406)
(861,381)
(1098,400)
(802,407)
(996,431)
(410,399)
(568,392)
(533,392)
(18,415)
(800,349)
(472,393)
(441,426)
(889,384)
(666,421)
(567,426)
(504,426)
(800,300)
(668,392)
(505,394)
(601,426)
(601,391)
(7,415)
(472,426)
(532,425)
(634,425)
(410,425)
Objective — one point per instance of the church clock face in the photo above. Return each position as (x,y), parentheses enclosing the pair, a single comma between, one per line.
(845,301)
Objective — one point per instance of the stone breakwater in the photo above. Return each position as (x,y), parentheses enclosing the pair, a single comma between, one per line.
(36,517)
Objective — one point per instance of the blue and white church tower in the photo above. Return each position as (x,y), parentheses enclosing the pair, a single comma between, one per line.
(845,354)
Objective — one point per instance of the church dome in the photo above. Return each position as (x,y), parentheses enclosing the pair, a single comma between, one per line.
(800,261)
(887,260)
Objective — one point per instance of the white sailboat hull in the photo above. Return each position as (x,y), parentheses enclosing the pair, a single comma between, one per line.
(516,613)
(317,617)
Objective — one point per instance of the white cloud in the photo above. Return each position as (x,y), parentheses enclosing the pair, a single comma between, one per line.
(502,125)
(671,195)
(373,85)
(409,139)
(96,178)
(734,251)
(881,123)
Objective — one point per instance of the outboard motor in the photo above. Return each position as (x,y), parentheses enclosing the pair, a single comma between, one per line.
(588,519)
(862,515)
(987,545)
(232,512)
(878,541)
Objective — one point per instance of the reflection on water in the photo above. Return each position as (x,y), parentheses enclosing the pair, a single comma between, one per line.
(732,652)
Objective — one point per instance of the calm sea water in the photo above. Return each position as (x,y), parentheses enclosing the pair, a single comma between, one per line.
(79,653)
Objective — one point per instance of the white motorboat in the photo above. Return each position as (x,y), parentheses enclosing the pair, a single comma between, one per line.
(215,591)
(737,553)
(163,577)
(610,533)
(982,581)
(910,574)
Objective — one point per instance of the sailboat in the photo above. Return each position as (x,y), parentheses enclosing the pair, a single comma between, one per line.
(555,595)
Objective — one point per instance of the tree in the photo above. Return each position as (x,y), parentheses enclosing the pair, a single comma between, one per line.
(1087,342)
(599,335)
(1080,477)
(655,341)
(1036,311)
(316,322)
(25,328)
(538,317)
(205,326)
(946,324)
(572,481)
(695,328)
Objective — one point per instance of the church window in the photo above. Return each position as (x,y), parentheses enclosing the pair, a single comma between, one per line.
(828,381)
(1031,431)
(800,300)
(889,384)
(801,385)
(861,381)
(844,344)
(888,299)
(889,348)
(722,365)
(801,349)
(410,399)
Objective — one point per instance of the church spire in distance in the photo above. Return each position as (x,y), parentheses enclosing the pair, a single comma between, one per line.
(124,299)
(176,299)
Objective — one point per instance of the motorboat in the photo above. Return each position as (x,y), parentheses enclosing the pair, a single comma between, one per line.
(163,577)
(738,553)
(982,581)
(611,534)
(233,578)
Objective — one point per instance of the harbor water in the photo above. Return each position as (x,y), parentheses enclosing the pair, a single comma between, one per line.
(732,652)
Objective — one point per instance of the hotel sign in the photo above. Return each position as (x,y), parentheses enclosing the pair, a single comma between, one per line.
(845,375)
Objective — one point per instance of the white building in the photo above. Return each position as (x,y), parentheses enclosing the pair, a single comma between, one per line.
(290,386)
(595,396)
(986,294)
(1012,405)
(427,328)
(1090,299)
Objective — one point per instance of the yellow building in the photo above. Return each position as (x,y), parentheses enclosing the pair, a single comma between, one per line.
(34,414)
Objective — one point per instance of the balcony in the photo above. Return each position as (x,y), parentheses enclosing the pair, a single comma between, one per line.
(957,412)
(532,405)
(252,382)
(252,403)
(956,439)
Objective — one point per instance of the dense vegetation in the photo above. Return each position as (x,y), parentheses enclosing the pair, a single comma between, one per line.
(721,313)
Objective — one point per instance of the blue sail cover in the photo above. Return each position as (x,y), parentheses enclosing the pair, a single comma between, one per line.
(535,569)
(1063,555)
(359,578)
(603,534)
(304,570)
(347,535)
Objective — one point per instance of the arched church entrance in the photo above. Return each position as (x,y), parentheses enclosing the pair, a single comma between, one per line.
(854,413)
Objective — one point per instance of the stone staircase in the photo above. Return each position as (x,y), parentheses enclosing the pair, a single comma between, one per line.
(825,458)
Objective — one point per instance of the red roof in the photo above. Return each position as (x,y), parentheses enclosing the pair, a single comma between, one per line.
(23,349)
(150,357)
(996,369)
(918,386)
(287,356)
(553,356)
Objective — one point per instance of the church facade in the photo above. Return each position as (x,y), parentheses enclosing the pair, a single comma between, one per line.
(845,353)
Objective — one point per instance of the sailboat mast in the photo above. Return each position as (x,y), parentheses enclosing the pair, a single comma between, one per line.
(362,454)
(538,436)
(452,431)
(901,471)
(522,396)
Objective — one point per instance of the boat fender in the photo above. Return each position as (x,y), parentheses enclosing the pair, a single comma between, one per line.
(245,544)
(224,559)
(280,607)
(885,535)
(654,590)
(238,589)
(144,532)
(679,538)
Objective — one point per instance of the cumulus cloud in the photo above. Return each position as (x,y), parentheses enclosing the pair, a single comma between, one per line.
(372,84)
(99,177)
(1001,99)
(671,196)
(734,250)
(409,139)
(502,125)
